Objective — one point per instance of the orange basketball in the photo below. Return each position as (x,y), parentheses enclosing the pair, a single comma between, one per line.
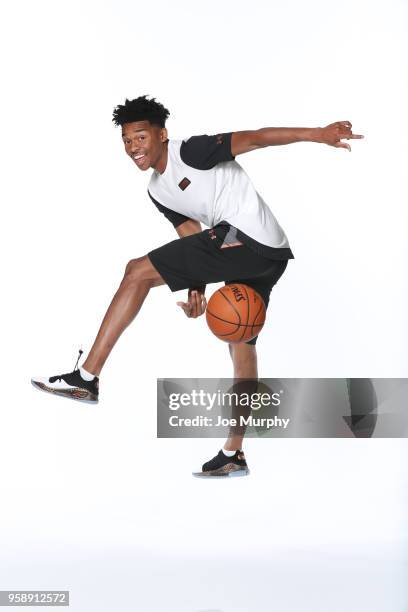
(235,313)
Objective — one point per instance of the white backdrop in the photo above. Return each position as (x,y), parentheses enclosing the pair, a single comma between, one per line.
(91,498)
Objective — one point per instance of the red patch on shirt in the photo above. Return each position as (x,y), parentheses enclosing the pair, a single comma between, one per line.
(185,182)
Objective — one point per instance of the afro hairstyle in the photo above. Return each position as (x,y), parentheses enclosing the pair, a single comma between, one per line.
(141,109)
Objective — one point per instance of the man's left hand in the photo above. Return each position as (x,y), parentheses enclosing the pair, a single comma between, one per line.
(332,134)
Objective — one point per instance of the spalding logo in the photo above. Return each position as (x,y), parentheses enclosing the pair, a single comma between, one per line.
(237,294)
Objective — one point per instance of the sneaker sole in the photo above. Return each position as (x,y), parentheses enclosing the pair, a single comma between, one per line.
(227,471)
(80,395)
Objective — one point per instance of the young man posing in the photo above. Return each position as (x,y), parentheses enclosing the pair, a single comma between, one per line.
(197,181)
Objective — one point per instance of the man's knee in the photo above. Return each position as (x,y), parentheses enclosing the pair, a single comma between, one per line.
(137,271)
(134,268)
(141,270)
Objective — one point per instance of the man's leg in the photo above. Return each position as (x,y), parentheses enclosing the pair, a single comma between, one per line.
(229,462)
(245,367)
(140,276)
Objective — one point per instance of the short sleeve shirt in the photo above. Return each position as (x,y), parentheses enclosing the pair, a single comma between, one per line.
(203,181)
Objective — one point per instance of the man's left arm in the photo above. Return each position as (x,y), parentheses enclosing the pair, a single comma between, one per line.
(249,140)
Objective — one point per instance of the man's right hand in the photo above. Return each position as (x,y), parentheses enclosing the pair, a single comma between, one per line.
(196,304)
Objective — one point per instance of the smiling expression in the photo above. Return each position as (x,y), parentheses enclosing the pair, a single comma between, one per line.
(146,144)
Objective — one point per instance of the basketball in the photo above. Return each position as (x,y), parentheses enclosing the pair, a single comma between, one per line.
(235,313)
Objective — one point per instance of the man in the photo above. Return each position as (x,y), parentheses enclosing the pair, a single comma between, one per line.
(196,181)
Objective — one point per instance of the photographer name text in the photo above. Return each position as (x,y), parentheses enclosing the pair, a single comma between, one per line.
(250,421)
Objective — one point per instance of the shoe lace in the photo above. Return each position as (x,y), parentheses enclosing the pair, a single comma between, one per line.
(79,357)
(214,462)
(59,376)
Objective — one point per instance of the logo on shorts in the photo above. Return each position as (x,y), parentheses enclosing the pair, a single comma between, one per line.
(219,138)
(185,182)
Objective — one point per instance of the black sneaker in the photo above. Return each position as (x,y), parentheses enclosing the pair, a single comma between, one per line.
(70,385)
(221,465)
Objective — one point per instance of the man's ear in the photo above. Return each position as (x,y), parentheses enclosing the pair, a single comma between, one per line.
(163,134)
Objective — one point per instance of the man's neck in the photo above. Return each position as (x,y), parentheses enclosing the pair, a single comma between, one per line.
(162,163)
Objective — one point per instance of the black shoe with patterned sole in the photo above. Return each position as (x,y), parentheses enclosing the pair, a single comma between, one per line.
(70,385)
(223,466)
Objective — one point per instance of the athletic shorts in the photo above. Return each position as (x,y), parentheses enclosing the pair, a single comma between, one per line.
(207,257)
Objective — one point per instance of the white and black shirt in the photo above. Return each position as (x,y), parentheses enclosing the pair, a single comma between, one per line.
(202,181)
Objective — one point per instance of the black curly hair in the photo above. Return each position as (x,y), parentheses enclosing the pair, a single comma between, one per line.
(140,109)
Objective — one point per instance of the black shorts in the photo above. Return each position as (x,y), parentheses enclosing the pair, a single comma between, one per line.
(199,259)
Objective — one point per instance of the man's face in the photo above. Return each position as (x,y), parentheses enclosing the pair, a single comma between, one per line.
(144,143)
